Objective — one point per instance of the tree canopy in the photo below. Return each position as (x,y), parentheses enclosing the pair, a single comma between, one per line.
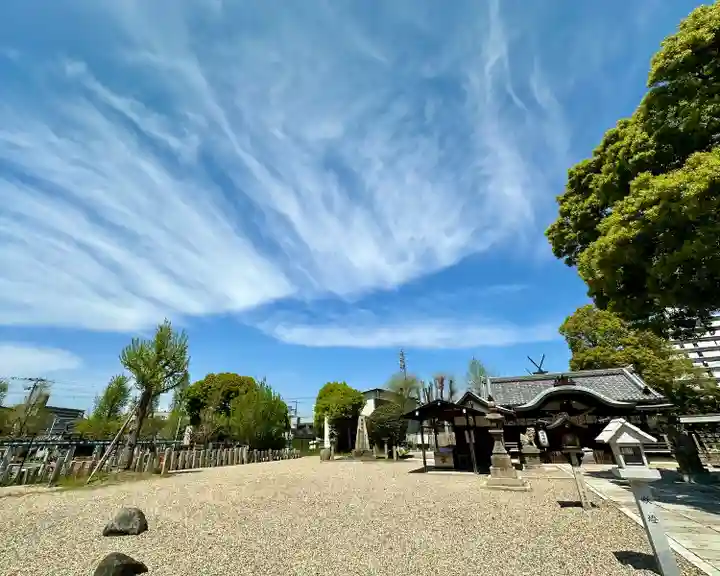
(386,424)
(601,339)
(157,366)
(106,417)
(338,401)
(639,218)
(259,418)
(217,392)
(229,406)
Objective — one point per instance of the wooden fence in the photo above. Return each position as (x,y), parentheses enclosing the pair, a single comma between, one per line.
(53,465)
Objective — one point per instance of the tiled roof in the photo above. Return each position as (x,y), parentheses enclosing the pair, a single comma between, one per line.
(619,384)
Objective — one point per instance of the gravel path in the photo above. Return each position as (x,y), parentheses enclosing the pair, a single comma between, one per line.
(304,517)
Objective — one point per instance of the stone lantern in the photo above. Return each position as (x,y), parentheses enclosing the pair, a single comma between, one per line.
(626,442)
(503,474)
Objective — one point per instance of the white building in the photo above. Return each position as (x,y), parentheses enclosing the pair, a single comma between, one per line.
(704,350)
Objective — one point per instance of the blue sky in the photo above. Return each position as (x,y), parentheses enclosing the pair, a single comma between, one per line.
(305,187)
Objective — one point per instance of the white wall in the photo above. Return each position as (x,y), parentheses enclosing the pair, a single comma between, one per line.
(704,351)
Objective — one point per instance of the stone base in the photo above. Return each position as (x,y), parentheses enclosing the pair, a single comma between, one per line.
(501,462)
(588,456)
(531,457)
(506,483)
(505,478)
(325,455)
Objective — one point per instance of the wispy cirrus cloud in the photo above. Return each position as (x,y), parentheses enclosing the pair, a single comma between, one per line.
(231,157)
(370,331)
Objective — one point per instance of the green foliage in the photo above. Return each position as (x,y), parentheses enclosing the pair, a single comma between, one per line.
(106,418)
(233,407)
(3,390)
(174,424)
(638,218)
(338,401)
(259,418)
(386,423)
(601,339)
(157,366)
(24,420)
(152,427)
(407,388)
(95,428)
(215,392)
(114,400)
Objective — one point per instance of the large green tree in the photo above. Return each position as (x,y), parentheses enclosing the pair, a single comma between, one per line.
(639,218)
(259,418)
(215,392)
(157,366)
(342,405)
(337,401)
(386,424)
(228,406)
(601,339)
(3,390)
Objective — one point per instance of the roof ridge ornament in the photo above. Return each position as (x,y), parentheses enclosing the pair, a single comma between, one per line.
(564,380)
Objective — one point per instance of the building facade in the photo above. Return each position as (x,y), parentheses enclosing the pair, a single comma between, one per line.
(552,404)
(704,349)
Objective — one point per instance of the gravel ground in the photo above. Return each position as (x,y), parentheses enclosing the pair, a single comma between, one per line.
(304,517)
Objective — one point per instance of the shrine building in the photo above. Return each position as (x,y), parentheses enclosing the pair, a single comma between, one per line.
(581,402)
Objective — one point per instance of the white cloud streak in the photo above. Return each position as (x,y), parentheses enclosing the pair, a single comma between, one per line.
(229,158)
(424,334)
(27,360)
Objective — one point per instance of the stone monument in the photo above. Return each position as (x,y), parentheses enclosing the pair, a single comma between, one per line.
(530,452)
(362,442)
(188,436)
(503,475)
(326,452)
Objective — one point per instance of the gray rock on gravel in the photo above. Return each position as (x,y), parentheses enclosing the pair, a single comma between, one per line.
(119,564)
(127,522)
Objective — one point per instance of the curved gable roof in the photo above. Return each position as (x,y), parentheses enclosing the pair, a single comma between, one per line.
(571,390)
(615,384)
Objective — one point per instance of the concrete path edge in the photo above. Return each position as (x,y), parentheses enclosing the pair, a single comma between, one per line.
(674,544)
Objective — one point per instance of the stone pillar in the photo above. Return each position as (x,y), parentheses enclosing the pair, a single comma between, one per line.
(166,461)
(326,439)
(150,464)
(5,465)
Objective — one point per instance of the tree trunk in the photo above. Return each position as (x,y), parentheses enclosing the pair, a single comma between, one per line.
(140,415)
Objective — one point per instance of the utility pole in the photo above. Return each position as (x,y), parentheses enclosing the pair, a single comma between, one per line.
(403,366)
